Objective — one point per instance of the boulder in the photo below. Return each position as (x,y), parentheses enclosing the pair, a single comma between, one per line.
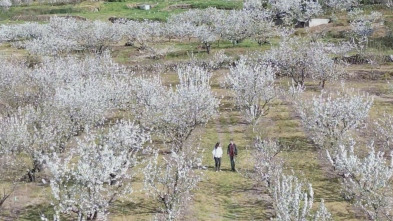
(144,7)
(318,21)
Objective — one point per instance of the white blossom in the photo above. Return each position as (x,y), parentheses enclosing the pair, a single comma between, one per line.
(50,103)
(234,25)
(366,181)
(172,181)
(300,59)
(63,35)
(342,5)
(33,132)
(363,26)
(180,110)
(329,118)
(199,17)
(18,86)
(323,68)
(205,36)
(261,27)
(253,86)
(5,4)
(90,177)
(290,200)
(384,130)
(252,5)
(268,166)
(322,213)
(23,31)
(295,10)
(135,33)
(389,3)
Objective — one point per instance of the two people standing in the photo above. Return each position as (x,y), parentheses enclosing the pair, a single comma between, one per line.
(231,151)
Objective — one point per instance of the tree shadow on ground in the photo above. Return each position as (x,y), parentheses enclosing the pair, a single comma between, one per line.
(241,200)
(297,143)
(141,206)
(247,208)
(34,212)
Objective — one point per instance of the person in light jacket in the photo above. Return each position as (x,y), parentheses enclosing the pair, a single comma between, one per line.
(217,154)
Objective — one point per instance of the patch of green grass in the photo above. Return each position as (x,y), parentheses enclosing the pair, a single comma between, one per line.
(230,4)
(34,212)
(6,51)
(135,207)
(120,9)
(19,12)
(123,54)
(160,11)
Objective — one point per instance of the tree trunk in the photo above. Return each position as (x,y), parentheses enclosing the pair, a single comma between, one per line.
(93,216)
(37,167)
(113,179)
(31,175)
(6,195)
(207,48)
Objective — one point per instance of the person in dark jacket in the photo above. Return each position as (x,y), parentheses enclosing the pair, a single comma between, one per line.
(232,152)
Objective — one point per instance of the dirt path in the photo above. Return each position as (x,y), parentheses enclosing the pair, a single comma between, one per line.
(227,195)
(233,196)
